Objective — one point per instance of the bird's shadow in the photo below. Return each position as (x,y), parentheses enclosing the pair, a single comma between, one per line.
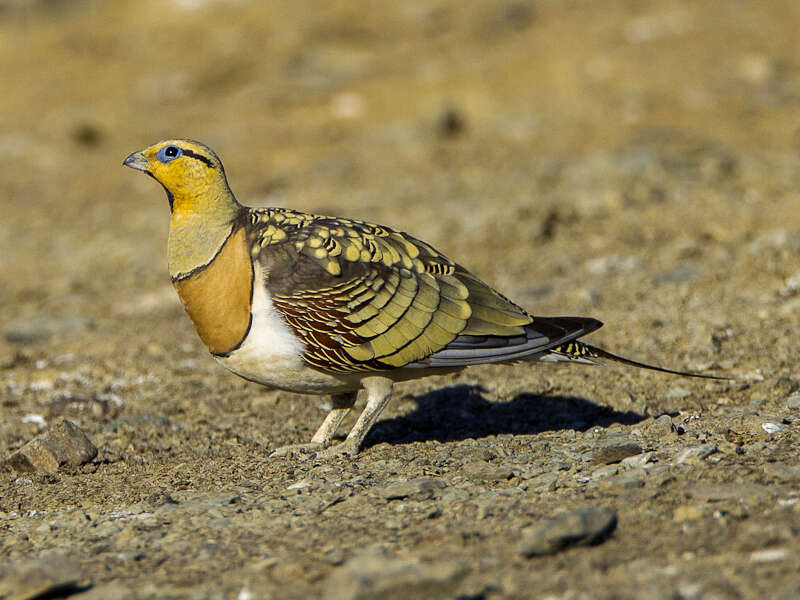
(462,412)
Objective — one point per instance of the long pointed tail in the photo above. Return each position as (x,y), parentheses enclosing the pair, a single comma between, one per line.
(582,352)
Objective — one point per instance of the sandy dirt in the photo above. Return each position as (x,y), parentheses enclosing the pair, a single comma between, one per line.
(632,161)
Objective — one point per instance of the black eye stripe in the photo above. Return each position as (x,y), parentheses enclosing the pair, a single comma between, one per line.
(199,157)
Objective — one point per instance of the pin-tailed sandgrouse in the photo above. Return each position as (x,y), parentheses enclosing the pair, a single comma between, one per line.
(325,305)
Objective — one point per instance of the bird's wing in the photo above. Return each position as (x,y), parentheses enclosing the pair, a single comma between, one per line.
(364,297)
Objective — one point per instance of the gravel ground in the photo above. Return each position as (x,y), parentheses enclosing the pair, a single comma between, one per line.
(635,162)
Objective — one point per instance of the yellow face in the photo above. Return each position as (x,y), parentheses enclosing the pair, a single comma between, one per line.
(188,170)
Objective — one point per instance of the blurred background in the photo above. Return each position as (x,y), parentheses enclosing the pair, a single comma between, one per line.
(634,161)
(532,141)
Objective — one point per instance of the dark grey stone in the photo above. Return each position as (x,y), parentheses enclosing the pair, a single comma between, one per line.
(585,526)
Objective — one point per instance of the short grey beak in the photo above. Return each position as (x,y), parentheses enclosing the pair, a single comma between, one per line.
(136,161)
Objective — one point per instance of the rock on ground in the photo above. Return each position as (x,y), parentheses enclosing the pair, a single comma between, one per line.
(379,578)
(63,444)
(421,488)
(580,527)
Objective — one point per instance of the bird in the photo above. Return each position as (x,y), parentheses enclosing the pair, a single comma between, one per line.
(329,305)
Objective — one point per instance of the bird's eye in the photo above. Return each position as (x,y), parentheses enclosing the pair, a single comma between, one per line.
(168,153)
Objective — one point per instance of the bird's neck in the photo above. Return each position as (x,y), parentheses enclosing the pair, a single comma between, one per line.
(199,226)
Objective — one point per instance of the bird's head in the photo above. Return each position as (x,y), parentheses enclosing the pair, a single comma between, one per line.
(188,170)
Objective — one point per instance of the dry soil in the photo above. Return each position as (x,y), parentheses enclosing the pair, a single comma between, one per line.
(632,161)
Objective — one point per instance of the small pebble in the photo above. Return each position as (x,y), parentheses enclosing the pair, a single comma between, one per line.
(451,123)
(658,428)
(695,453)
(769,555)
(639,460)
(614,451)
(34,418)
(605,471)
(546,482)
(771,428)
(422,488)
(366,576)
(484,471)
(585,526)
(299,485)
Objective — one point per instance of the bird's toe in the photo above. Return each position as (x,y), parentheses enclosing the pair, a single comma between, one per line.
(343,450)
(297,450)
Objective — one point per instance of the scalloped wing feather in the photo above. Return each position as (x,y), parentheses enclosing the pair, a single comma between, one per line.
(364,297)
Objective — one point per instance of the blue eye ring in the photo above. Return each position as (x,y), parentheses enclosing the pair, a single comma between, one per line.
(168,153)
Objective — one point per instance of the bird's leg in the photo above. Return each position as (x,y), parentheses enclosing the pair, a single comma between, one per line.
(379,390)
(341,404)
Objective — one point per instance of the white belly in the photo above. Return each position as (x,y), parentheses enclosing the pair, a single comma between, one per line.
(270,354)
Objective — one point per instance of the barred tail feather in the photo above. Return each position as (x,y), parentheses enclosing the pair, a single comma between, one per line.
(580,352)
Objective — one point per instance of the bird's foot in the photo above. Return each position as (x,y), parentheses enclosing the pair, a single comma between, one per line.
(344,449)
(297,450)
